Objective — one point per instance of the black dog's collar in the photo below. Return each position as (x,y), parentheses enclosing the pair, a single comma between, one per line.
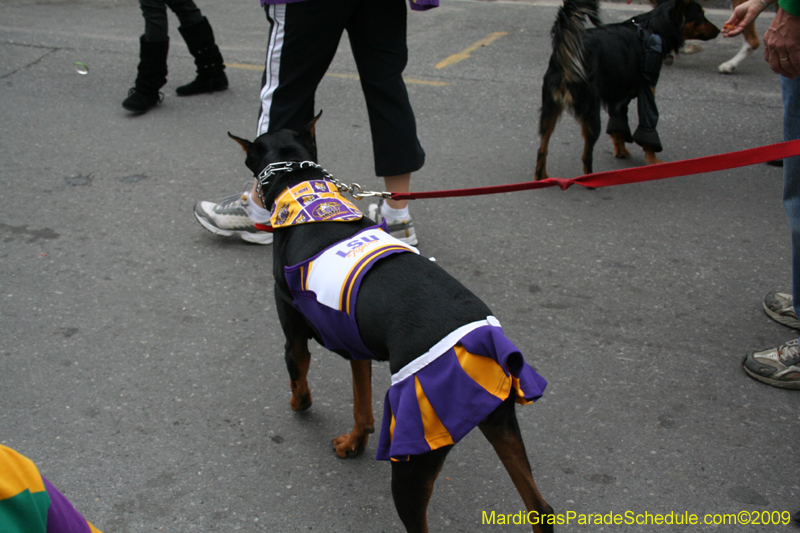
(274,169)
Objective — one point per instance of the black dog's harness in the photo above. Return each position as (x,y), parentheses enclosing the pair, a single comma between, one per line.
(653,53)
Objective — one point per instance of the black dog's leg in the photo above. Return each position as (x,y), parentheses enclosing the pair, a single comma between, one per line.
(590,128)
(619,129)
(552,107)
(502,431)
(412,486)
(353,443)
(646,135)
(298,358)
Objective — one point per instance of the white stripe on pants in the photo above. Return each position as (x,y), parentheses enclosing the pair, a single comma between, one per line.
(272,65)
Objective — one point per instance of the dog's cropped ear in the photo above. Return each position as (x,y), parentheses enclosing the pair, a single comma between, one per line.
(680,8)
(309,136)
(310,127)
(244,143)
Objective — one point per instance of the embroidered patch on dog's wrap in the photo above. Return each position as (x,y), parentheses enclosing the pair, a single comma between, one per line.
(325,287)
(312,201)
(441,396)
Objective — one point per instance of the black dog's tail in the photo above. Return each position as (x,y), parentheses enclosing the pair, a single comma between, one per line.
(567,35)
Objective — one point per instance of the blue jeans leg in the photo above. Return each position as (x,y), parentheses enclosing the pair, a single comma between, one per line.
(791,173)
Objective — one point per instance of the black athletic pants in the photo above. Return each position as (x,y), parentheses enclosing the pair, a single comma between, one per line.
(303,39)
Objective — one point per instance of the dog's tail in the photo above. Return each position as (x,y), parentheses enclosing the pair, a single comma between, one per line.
(567,36)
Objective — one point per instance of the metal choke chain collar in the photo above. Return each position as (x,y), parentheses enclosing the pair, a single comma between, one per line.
(273,169)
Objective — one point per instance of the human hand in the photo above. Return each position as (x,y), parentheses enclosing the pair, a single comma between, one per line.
(782,44)
(742,15)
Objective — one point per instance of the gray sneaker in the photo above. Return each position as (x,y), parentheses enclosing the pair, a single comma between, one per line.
(780,308)
(231,217)
(401,229)
(779,367)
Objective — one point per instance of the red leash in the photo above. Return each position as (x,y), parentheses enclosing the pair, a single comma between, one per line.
(661,171)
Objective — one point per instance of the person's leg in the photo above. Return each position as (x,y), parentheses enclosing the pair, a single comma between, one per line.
(791,173)
(302,41)
(199,36)
(153,49)
(377,32)
(186,10)
(780,367)
(303,38)
(155,20)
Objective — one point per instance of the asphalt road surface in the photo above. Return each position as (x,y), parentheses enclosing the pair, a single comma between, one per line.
(141,359)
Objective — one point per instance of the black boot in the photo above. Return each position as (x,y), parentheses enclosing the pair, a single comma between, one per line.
(210,67)
(151,77)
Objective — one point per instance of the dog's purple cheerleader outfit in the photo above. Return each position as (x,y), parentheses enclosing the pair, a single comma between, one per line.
(442,395)
(325,287)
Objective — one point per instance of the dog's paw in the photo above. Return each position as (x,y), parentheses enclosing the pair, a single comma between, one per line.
(620,152)
(348,447)
(300,402)
(728,67)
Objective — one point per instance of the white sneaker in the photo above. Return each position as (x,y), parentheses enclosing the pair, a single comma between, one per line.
(779,306)
(779,367)
(399,229)
(231,217)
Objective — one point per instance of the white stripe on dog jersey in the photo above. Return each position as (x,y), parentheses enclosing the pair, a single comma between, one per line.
(273,64)
(332,273)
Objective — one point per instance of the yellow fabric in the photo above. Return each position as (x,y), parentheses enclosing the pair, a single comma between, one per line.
(521,399)
(436,434)
(19,474)
(485,372)
(290,206)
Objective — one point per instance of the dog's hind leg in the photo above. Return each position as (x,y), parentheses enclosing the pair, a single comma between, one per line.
(412,486)
(353,443)
(502,430)
(590,129)
(541,155)
(552,107)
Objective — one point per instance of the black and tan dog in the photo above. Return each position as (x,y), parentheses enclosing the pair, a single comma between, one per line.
(609,66)
(452,367)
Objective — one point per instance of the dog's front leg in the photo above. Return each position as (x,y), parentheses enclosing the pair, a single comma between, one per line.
(353,443)
(298,360)
(650,156)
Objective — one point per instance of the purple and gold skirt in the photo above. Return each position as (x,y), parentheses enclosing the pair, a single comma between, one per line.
(441,396)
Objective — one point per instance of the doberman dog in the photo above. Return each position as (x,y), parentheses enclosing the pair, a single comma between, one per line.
(609,66)
(343,281)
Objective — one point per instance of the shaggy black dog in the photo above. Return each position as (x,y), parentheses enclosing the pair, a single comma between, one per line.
(609,66)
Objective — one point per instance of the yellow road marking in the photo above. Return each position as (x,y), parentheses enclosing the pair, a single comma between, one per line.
(246,66)
(455,58)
